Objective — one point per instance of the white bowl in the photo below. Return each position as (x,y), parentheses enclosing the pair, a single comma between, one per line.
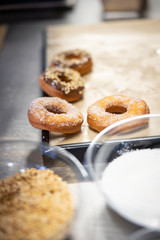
(121,175)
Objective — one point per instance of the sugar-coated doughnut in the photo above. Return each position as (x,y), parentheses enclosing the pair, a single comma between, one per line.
(111,109)
(54,114)
(64,83)
(77,59)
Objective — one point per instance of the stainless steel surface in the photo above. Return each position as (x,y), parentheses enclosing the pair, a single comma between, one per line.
(20,66)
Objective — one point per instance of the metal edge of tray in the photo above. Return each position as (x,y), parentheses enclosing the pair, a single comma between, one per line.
(77,149)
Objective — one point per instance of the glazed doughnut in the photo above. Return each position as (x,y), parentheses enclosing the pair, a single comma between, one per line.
(77,59)
(111,109)
(54,114)
(64,83)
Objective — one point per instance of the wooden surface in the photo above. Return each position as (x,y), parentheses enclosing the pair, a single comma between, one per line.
(3,31)
(126,58)
(123,5)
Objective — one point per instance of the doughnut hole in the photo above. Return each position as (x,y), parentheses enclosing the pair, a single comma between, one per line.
(115,109)
(55,110)
(71,55)
(63,78)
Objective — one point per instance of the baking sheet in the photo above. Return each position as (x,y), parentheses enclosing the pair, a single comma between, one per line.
(126,57)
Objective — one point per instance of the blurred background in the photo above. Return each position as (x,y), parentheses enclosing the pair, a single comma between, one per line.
(14,10)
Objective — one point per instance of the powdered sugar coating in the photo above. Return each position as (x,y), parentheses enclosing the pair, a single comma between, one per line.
(114,108)
(54,114)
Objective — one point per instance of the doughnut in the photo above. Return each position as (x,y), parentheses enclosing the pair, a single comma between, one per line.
(77,59)
(114,108)
(54,114)
(64,83)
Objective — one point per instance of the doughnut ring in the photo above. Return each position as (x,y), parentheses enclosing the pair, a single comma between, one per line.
(54,114)
(111,109)
(77,59)
(64,83)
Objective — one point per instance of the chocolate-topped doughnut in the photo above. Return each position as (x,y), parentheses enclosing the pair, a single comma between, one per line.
(79,60)
(64,83)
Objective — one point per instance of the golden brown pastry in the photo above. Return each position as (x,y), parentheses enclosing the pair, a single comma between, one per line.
(54,114)
(111,109)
